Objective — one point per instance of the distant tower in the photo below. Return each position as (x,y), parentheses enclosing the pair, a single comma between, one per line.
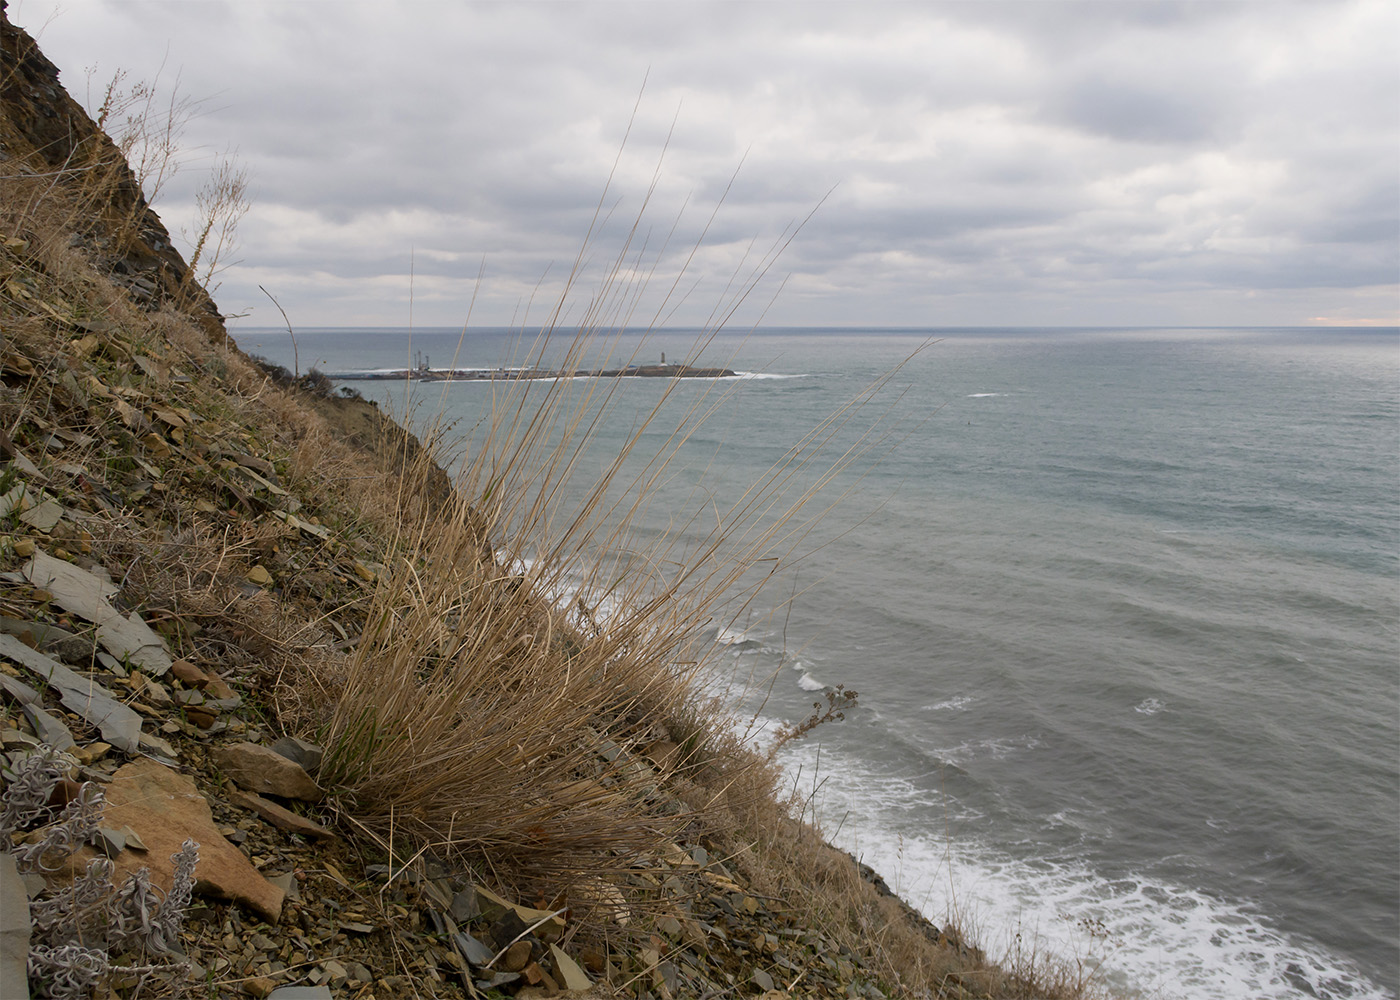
(663,357)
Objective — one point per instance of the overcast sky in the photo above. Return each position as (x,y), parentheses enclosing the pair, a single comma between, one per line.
(975,163)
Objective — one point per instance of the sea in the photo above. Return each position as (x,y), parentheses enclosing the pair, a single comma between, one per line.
(1121,606)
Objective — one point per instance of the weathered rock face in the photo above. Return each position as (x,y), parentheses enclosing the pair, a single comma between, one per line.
(42,130)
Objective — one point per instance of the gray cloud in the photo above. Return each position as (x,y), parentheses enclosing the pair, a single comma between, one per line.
(981,163)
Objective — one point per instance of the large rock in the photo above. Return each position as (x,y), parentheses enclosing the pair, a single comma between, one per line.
(74,589)
(266,772)
(164,809)
(308,755)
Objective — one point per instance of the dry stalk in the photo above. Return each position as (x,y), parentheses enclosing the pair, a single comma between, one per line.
(475,701)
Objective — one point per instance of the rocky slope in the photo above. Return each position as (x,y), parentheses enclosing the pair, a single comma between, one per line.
(44,133)
(190,550)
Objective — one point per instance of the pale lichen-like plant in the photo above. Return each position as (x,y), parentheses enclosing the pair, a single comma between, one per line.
(29,789)
(79,928)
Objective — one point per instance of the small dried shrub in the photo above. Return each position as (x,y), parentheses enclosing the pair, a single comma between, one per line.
(81,932)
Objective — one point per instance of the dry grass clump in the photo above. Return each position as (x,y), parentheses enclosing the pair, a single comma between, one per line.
(519,630)
(526,624)
(469,725)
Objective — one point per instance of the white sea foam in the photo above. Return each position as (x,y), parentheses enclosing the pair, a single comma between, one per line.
(1150,936)
(805,680)
(809,683)
(986,395)
(731,635)
(1149,706)
(756,376)
(997,748)
(958,704)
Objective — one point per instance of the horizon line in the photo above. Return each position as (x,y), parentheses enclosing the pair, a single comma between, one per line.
(1379,325)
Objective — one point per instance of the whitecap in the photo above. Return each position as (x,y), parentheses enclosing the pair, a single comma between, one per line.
(958,704)
(994,749)
(1149,706)
(759,376)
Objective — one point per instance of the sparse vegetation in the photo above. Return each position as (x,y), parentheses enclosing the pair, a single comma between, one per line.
(220,205)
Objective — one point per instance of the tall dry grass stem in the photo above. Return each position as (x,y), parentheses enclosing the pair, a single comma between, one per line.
(537,619)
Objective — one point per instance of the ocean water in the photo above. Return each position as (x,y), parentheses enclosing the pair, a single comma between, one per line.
(1123,609)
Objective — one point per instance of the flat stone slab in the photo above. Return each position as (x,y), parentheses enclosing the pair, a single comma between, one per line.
(567,972)
(164,809)
(88,595)
(132,639)
(43,516)
(50,730)
(266,772)
(280,816)
(77,590)
(120,726)
(472,950)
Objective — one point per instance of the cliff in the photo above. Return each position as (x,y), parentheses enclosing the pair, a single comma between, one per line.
(254,617)
(46,138)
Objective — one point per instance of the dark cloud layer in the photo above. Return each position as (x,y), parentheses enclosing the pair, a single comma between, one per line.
(987,163)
